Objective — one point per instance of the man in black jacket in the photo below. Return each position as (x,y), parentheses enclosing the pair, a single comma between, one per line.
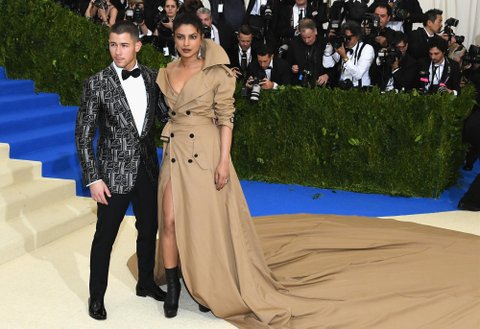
(121,103)
(439,74)
(243,53)
(405,13)
(305,56)
(272,71)
(397,70)
(420,38)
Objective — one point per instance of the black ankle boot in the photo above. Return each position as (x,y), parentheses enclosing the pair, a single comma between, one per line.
(170,306)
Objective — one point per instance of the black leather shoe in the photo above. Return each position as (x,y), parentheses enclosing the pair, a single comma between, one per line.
(96,309)
(203,309)
(155,292)
(462,205)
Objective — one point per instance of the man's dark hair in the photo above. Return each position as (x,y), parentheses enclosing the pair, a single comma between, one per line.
(187,19)
(384,5)
(125,27)
(353,27)
(398,37)
(245,29)
(431,15)
(263,50)
(439,43)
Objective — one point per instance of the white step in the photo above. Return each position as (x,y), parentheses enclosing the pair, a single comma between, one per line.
(4,151)
(22,198)
(37,228)
(19,171)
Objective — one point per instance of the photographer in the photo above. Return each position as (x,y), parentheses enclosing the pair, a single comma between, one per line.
(164,30)
(269,71)
(242,54)
(135,13)
(420,38)
(376,33)
(439,74)
(395,69)
(262,17)
(350,55)
(404,14)
(306,55)
(102,11)
(223,36)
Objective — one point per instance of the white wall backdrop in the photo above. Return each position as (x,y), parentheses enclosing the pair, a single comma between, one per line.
(467,11)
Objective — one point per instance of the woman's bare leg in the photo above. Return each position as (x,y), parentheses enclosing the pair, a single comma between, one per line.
(169,240)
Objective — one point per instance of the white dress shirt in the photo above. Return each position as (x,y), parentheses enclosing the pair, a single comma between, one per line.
(296,12)
(357,66)
(249,55)
(136,93)
(215,37)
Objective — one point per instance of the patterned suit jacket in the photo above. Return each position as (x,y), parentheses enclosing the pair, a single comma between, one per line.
(120,147)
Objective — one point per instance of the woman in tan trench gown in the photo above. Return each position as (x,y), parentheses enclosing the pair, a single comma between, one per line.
(301,271)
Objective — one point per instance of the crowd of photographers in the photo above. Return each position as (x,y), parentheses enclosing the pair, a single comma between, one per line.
(320,43)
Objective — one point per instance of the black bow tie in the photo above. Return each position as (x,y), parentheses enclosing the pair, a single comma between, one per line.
(269,68)
(134,73)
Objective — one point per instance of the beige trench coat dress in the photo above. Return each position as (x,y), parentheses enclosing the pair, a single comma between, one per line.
(300,271)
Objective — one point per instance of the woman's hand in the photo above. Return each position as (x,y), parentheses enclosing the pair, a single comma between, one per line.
(222,174)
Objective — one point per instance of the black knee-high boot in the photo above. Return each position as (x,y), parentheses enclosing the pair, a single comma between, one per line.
(170,306)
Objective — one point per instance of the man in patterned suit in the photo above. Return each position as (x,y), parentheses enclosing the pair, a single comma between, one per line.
(121,102)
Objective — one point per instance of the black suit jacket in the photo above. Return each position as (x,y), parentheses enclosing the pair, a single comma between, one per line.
(233,13)
(418,44)
(451,73)
(120,147)
(233,55)
(405,78)
(280,71)
(297,55)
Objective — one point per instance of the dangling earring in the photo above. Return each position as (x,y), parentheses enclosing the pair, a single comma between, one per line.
(199,55)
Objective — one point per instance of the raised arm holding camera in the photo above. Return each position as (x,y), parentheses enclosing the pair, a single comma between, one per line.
(350,55)
(376,32)
(102,11)
(404,13)
(135,13)
(164,27)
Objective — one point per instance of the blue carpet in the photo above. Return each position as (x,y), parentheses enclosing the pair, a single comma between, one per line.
(38,127)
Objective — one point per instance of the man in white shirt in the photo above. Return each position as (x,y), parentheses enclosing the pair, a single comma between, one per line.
(352,57)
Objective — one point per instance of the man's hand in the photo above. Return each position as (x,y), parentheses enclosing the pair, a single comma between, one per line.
(99,191)
(266,84)
(341,51)
(381,40)
(396,64)
(249,82)
(295,69)
(236,72)
(322,80)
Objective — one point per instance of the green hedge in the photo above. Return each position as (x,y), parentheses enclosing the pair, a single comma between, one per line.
(55,47)
(398,144)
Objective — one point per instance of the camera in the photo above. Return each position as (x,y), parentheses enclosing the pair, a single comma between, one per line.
(206,32)
(449,23)
(372,22)
(135,15)
(100,4)
(345,84)
(161,17)
(389,55)
(267,12)
(306,78)
(473,55)
(337,41)
(257,88)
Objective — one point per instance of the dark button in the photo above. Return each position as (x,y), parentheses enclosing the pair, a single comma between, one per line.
(188,112)
(190,160)
(174,113)
(172,135)
(192,135)
(173,160)
(195,155)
